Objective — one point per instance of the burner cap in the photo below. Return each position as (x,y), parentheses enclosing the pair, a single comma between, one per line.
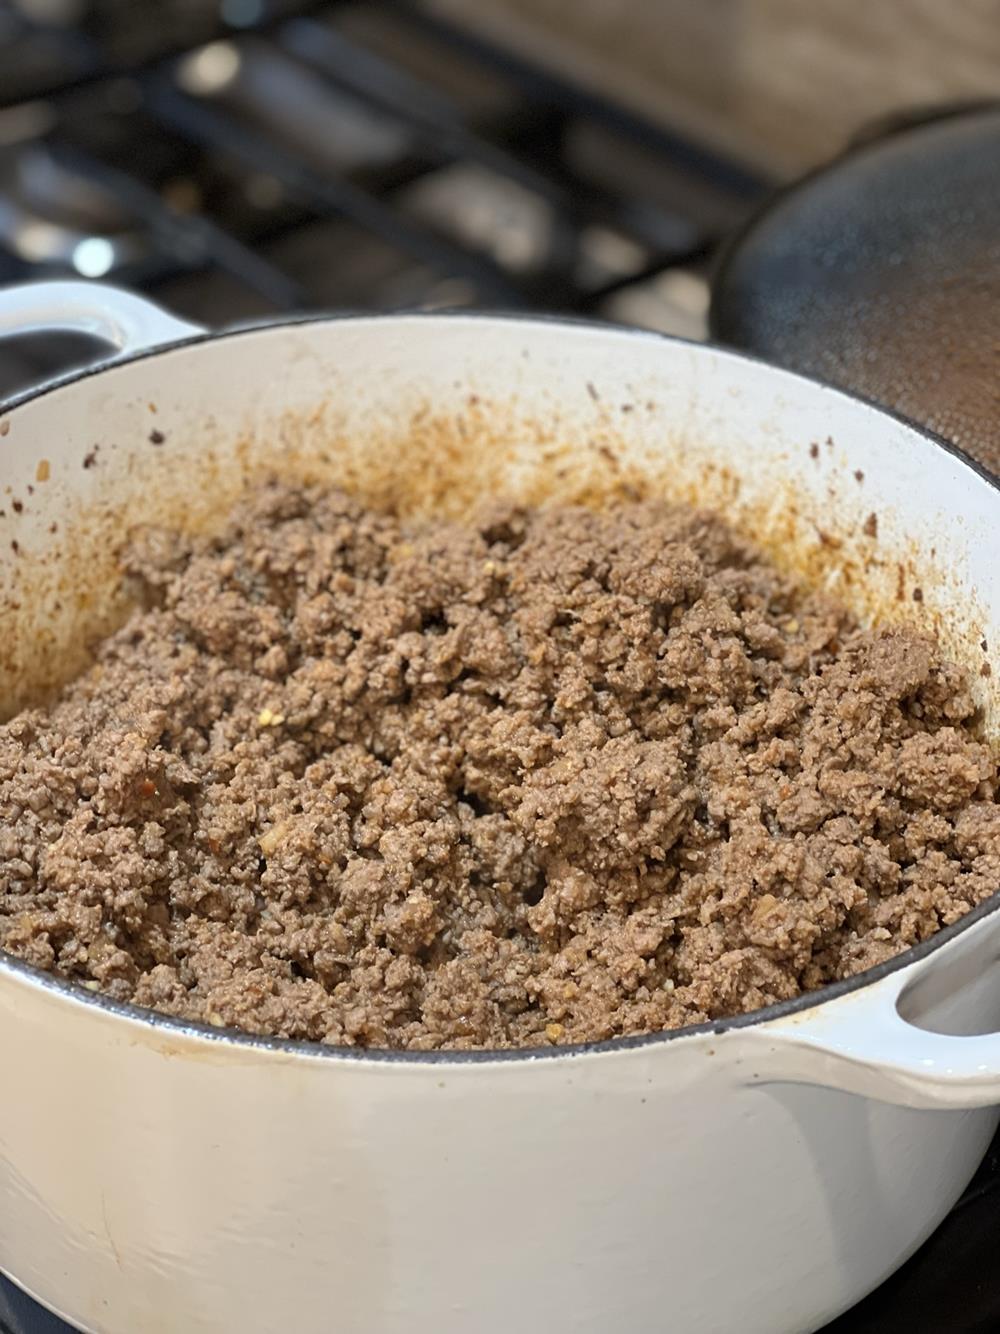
(880,273)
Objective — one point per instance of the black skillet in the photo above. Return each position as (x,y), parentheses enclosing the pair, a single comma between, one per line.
(880,273)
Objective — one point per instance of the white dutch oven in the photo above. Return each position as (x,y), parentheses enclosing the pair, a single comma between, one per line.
(758,1175)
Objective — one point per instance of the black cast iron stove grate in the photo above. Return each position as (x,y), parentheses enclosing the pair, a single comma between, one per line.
(252,157)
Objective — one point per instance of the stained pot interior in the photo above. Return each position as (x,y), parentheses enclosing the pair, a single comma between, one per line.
(436,412)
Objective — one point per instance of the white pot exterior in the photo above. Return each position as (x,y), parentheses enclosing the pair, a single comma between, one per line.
(161,1178)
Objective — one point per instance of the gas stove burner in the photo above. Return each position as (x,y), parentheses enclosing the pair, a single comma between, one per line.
(52,215)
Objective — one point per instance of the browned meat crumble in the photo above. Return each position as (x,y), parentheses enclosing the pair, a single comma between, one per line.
(545,777)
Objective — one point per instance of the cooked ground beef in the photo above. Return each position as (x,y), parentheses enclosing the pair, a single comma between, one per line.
(543,777)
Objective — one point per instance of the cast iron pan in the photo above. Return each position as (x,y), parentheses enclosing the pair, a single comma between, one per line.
(880,273)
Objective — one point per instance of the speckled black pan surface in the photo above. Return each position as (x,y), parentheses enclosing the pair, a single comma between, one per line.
(880,273)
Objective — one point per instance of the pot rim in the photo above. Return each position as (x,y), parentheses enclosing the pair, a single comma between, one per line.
(76,994)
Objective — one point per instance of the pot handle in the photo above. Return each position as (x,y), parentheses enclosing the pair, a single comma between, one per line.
(863,1042)
(128,322)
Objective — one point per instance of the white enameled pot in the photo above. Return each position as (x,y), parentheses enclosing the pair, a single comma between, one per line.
(760,1175)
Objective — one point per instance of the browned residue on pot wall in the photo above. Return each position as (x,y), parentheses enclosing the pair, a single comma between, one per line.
(61,585)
